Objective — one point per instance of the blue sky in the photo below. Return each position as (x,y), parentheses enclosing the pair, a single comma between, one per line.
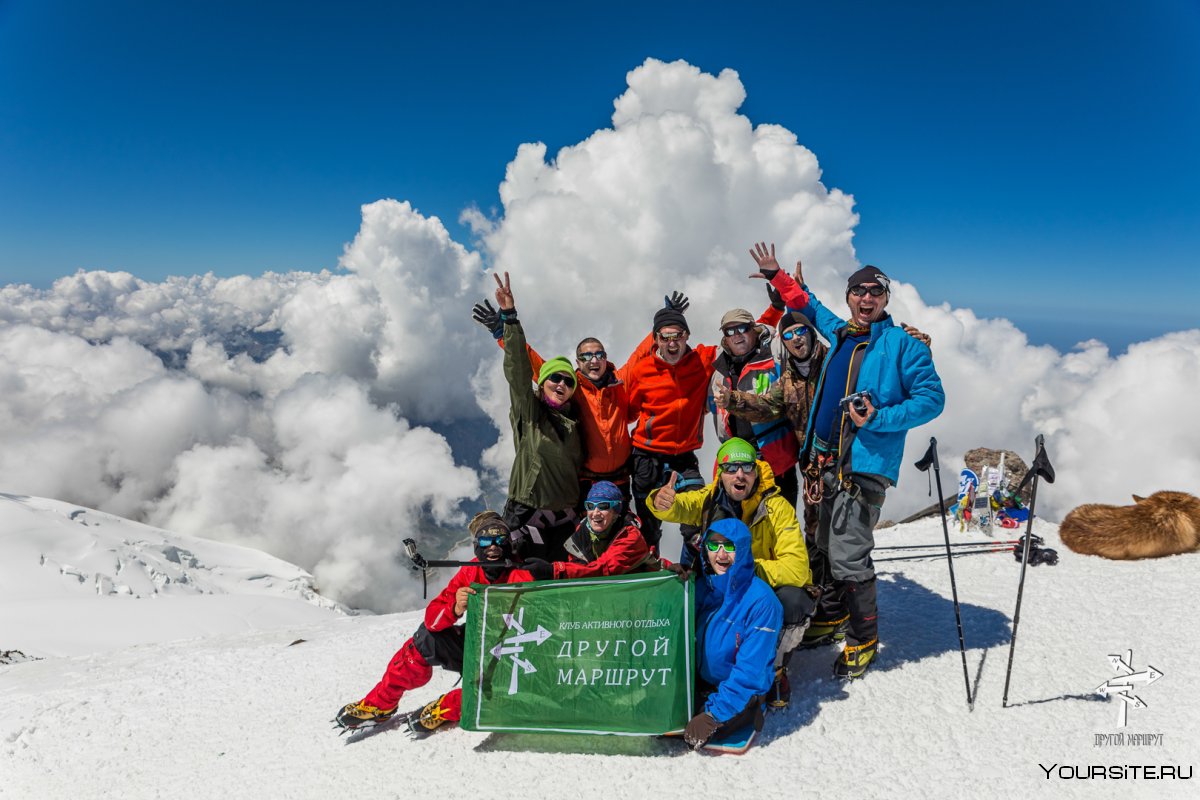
(1033,161)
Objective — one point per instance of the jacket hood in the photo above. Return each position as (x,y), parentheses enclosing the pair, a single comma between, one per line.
(736,580)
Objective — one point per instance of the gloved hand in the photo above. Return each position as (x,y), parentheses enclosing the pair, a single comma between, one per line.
(541,569)
(676,301)
(488,317)
(700,730)
(776,298)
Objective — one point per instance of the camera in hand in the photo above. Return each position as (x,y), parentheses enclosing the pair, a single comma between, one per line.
(857,401)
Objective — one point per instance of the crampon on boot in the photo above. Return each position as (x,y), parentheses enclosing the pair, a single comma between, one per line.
(820,634)
(781,691)
(447,708)
(361,715)
(854,660)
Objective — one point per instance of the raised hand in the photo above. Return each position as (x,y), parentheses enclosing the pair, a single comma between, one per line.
(488,317)
(676,301)
(504,295)
(776,297)
(799,273)
(665,497)
(767,263)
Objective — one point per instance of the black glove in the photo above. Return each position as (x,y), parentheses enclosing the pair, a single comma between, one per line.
(541,569)
(676,301)
(776,298)
(700,730)
(488,317)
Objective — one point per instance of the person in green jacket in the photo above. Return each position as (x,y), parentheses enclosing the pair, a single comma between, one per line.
(543,488)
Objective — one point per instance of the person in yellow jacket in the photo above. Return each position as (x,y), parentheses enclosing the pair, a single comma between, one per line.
(744,488)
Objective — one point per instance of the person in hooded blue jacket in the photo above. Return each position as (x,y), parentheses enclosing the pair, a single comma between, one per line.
(738,618)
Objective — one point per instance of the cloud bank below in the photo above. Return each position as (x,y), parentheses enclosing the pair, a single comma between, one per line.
(312,415)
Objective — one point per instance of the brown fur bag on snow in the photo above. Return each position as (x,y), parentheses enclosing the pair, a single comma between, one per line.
(1163,524)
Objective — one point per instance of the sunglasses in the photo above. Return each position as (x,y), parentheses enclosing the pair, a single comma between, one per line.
(734,330)
(860,290)
(713,547)
(561,377)
(595,355)
(499,540)
(787,336)
(672,337)
(600,505)
(736,467)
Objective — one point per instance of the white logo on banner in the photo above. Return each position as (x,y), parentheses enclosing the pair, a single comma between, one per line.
(515,646)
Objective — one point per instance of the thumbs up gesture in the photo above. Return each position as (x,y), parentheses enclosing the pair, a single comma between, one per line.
(665,497)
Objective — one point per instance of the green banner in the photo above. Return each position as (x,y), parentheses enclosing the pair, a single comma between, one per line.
(593,655)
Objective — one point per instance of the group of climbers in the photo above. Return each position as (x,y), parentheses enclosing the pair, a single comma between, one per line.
(605,454)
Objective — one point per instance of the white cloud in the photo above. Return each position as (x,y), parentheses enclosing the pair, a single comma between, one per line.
(291,411)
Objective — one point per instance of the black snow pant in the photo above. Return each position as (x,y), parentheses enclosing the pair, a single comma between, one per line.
(841,560)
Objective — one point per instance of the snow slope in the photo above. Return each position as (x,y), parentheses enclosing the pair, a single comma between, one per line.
(247,714)
(74,581)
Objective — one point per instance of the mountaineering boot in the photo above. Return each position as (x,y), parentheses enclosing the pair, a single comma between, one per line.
(359,715)
(862,636)
(447,708)
(821,633)
(781,691)
(854,660)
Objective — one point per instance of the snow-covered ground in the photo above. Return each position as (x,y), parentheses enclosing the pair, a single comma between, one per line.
(245,711)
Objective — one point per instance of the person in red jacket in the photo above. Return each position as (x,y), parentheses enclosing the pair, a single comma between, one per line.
(608,541)
(668,389)
(438,641)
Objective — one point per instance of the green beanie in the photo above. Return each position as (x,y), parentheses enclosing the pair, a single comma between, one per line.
(556,364)
(736,451)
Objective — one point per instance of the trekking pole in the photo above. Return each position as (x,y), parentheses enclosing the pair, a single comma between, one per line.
(1041,468)
(931,459)
(958,554)
(961,545)
(419,562)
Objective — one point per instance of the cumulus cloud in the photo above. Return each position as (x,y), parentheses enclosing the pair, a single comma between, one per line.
(312,415)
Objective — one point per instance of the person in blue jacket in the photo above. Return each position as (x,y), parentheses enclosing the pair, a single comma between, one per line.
(737,626)
(853,449)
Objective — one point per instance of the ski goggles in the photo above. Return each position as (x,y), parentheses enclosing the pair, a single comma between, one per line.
(713,547)
(734,467)
(734,330)
(874,291)
(787,336)
(499,540)
(560,377)
(595,355)
(600,505)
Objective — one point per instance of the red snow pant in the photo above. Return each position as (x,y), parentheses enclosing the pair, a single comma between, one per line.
(412,667)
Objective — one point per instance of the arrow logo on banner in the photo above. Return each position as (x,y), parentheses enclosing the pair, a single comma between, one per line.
(514,646)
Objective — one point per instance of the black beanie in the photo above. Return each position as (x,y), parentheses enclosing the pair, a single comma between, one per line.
(669,316)
(869,274)
(793,318)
